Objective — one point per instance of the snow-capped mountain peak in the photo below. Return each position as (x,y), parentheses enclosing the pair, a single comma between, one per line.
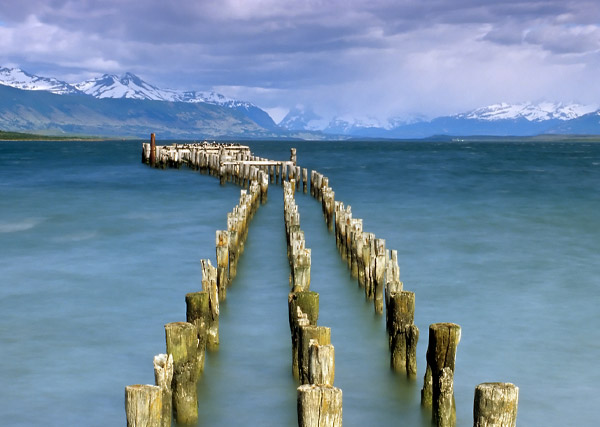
(131,86)
(529,111)
(127,86)
(19,79)
(303,118)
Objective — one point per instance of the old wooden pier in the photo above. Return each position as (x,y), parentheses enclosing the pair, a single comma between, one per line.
(375,267)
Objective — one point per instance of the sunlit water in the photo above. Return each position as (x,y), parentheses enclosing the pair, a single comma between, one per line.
(98,252)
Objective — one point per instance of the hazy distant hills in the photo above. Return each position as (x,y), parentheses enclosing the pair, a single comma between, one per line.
(127,106)
(496,120)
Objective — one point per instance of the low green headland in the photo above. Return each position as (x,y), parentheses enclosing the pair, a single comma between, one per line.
(18,136)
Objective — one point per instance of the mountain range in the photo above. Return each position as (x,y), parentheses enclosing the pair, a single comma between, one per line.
(127,106)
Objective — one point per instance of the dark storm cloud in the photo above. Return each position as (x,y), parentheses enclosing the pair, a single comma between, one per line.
(402,52)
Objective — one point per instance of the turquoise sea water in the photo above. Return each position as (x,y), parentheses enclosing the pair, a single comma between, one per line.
(97,252)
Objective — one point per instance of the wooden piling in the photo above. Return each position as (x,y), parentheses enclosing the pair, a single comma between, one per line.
(321,363)
(304,180)
(321,334)
(441,353)
(443,413)
(293,156)
(380,265)
(307,301)
(209,285)
(264,186)
(198,313)
(152,149)
(303,310)
(233,228)
(301,270)
(182,344)
(392,278)
(404,334)
(163,378)
(222,246)
(319,406)
(495,405)
(143,405)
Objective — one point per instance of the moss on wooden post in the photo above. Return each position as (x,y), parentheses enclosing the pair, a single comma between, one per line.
(495,405)
(303,310)
(182,344)
(308,302)
(198,313)
(233,229)
(404,334)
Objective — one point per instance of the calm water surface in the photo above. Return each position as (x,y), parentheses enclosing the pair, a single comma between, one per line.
(98,252)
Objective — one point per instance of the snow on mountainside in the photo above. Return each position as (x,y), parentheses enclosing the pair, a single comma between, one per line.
(302,118)
(127,86)
(131,86)
(529,111)
(20,79)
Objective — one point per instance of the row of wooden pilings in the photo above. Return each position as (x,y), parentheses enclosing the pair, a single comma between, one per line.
(231,162)
(313,356)
(178,370)
(319,403)
(377,271)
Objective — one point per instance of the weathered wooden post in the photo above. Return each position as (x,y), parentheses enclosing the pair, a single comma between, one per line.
(152,150)
(321,334)
(293,156)
(404,334)
(443,413)
(495,405)
(209,285)
(143,405)
(304,180)
(233,229)
(182,344)
(303,310)
(307,301)
(319,406)
(321,363)
(441,353)
(380,266)
(355,236)
(392,277)
(301,269)
(198,313)
(222,244)
(163,377)
(264,186)
(283,172)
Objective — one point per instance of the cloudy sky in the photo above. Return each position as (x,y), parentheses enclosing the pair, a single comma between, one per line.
(350,58)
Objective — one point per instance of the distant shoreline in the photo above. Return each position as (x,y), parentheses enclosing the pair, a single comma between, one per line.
(18,136)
